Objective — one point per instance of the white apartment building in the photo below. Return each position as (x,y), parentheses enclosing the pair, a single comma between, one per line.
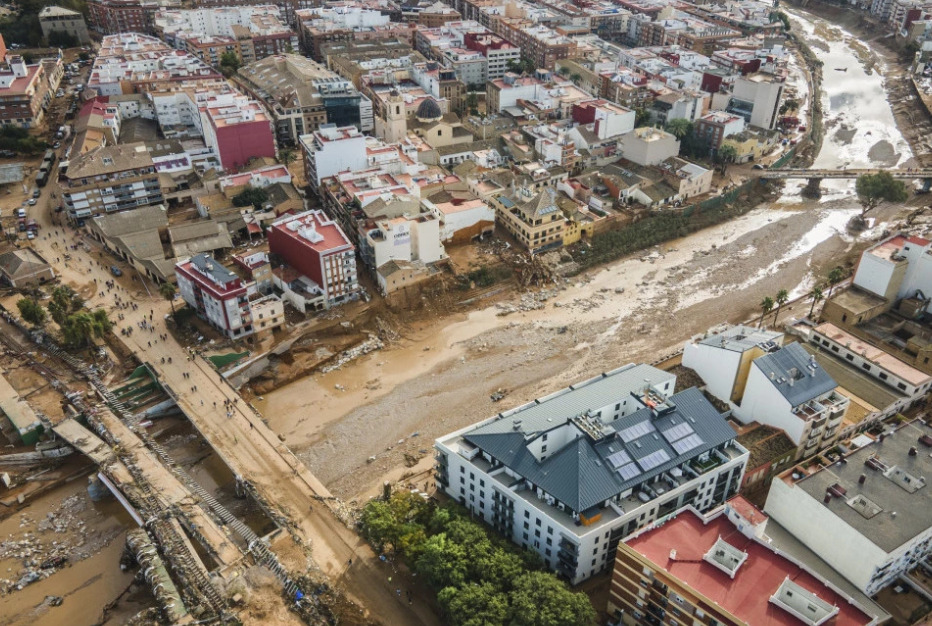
(570,474)
(331,150)
(757,99)
(787,389)
(873,361)
(649,146)
(896,267)
(868,516)
(722,357)
(219,296)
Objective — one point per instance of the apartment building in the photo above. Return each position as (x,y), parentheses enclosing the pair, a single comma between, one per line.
(715,126)
(649,146)
(541,45)
(250,32)
(896,268)
(330,150)
(718,568)
(474,52)
(54,19)
(224,300)
(237,129)
(130,62)
(27,90)
(302,95)
(570,474)
(110,17)
(325,25)
(320,270)
(535,220)
(437,15)
(110,178)
(787,389)
(890,371)
(757,98)
(867,516)
(684,30)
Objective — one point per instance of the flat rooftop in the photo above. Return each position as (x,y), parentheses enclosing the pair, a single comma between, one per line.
(853,380)
(759,576)
(857,301)
(894,484)
(874,354)
(887,249)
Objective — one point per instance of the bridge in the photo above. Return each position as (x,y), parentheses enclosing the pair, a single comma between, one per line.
(816,176)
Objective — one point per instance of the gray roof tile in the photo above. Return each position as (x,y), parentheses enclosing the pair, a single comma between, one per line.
(793,376)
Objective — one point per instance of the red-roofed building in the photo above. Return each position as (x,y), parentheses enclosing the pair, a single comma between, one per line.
(26,90)
(322,256)
(716,569)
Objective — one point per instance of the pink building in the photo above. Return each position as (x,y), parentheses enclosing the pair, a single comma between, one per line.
(237,129)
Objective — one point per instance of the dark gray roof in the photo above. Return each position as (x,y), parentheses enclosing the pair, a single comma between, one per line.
(882,487)
(582,474)
(742,338)
(428,110)
(211,267)
(793,376)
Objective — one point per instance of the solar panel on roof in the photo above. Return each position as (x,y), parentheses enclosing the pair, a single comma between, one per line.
(685,445)
(618,459)
(628,471)
(654,459)
(631,433)
(677,432)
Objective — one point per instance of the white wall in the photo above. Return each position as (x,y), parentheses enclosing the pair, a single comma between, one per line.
(919,272)
(814,524)
(873,274)
(763,402)
(717,367)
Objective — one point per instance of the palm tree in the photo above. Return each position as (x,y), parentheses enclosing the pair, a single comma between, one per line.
(727,153)
(168,292)
(102,324)
(782,297)
(834,277)
(766,306)
(679,127)
(79,328)
(817,295)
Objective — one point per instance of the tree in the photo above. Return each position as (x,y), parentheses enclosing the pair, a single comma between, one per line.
(443,562)
(62,39)
(766,306)
(726,154)
(679,127)
(64,302)
(472,102)
(102,324)
(834,277)
(540,599)
(168,292)
(229,63)
(817,295)
(474,605)
(782,17)
(251,196)
(788,105)
(641,116)
(575,77)
(782,297)
(79,328)
(286,156)
(874,188)
(31,311)
(564,71)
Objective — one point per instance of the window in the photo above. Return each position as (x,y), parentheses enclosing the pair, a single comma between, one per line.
(482,482)
(866,366)
(537,521)
(883,376)
(901,386)
(526,526)
(850,357)
(527,515)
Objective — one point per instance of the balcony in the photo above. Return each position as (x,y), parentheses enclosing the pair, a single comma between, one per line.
(811,411)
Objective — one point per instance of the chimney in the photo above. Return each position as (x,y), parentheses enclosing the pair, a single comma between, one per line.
(862,479)
(882,437)
(828,497)
(912,451)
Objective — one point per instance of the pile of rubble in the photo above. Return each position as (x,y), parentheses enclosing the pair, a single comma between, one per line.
(369,345)
(586,304)
(39,557)
(530,301)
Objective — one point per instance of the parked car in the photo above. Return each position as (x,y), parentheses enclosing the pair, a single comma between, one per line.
(116,271)
(32,202)
(30,234)
(36,193)
(56,145)
(757,166)
(21,212)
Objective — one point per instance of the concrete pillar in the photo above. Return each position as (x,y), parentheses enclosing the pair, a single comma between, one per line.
(811,190)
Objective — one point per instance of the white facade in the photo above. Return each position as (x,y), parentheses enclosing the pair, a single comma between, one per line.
(331,150)
(896,268)
(406,239)
(765,95)
(530,517)
(871,549)
(649,146)
(457,218)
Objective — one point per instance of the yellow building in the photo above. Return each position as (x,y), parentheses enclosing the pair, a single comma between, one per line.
(535,221)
